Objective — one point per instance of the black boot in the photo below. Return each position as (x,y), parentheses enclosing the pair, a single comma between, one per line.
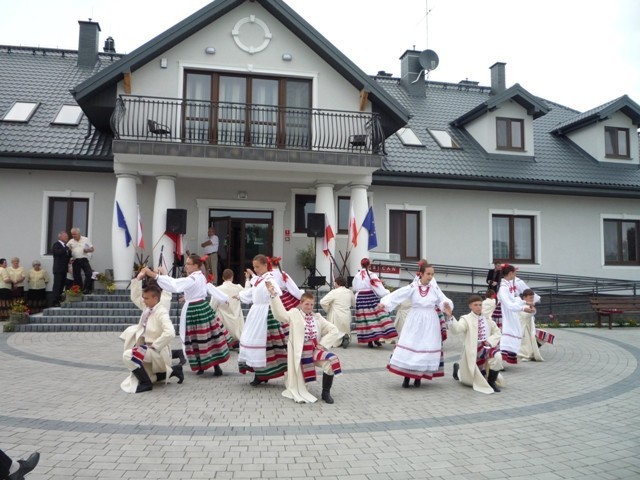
(327,381)
(144,382)
(417,382)
(370,344)
(178,373)
(378,343)
(179,354)
(25,467)
(256,381)
(406,382)
(456,367)
(217,371)
(346,340)
(491,379)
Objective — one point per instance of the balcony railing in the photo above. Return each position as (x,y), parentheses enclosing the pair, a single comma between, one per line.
(246,125)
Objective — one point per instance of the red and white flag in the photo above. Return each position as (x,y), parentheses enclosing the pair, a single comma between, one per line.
(353,228)
(178,239)
(328,236)
(140,237)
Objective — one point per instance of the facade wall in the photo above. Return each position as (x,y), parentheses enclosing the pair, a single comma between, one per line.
(592,138)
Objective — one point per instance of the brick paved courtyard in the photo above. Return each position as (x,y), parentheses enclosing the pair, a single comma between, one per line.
(577,415)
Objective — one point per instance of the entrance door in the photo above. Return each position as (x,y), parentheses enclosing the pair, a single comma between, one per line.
(243,235)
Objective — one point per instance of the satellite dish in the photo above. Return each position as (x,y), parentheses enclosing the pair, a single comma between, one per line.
(428,60)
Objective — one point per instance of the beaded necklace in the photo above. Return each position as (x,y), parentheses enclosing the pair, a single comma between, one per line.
(423,292)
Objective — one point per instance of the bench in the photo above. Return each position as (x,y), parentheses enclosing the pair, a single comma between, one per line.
(612,305)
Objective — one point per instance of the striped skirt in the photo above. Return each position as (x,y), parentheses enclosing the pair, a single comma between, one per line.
(277,335)
(206,338)
(484,354)
(312,354)
(496,316)
(372,324)
(288,300)
(544,337)
(416,374)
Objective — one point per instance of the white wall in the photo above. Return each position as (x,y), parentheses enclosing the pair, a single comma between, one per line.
(592,140)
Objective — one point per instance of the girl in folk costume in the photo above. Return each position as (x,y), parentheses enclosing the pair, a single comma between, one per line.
(310,337)
(373,323)
(418,353)
(201,330)
(480,362)
(290,292)
(512,305)
(263,344)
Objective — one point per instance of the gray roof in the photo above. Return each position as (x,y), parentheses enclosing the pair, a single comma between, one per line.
(46,76)
(87,92)
(559,166)
(623,103)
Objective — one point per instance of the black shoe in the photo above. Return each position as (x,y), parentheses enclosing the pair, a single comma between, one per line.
(417,382)
(200,372)
(178,373)
(491,379)
(217,371)
(370,344)
(256,381)
(378,343)
(346,340)
(25,466)
(456,367)
(327,381)
(144,382)
(406,382)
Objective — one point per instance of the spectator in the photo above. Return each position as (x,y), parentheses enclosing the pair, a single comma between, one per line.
(210,246)
(81,251)
(61,257)
(38,280)
(16,274)
(5,289)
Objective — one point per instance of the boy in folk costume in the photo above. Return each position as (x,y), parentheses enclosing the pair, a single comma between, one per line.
(310,336)
(231,313)
(147,352)
(480,361)
(529,346)
(337,303)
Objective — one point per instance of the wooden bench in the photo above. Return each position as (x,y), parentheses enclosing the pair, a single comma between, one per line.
(612,305)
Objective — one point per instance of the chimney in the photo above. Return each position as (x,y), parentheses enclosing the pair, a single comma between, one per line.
(88,43)
(410,70)
(498,82)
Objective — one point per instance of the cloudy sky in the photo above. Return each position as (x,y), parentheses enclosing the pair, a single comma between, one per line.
(579,53)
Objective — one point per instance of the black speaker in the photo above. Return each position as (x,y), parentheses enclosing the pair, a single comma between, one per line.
(316,281)
(176,220)
(315,225)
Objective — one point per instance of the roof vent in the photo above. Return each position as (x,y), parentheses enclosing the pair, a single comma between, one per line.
(109,45)
(468,82)
(382,73)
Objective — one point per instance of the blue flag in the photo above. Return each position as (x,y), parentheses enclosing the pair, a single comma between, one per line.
(370,225)
(122,223)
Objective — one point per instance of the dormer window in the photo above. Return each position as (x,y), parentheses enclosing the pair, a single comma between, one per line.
(509,134)
(616,142)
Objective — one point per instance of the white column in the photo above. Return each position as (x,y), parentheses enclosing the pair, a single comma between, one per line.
(360,206)
(325,205)
(165,198)
(123,256)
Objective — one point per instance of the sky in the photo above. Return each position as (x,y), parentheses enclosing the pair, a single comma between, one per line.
(578,53)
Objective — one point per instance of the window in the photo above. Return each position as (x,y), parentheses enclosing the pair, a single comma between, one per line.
(68,115)
(443,138)
(616,142)
(64,214)
(305,204)
(21,112)
(409,138)
(229,109)
(343,214)
(621,242)
(510,134)
(513,238)
(404,234)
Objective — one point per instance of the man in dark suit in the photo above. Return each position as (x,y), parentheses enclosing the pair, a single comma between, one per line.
(61,257)
(494,276)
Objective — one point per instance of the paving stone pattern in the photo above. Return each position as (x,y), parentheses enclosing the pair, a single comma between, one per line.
(577,415)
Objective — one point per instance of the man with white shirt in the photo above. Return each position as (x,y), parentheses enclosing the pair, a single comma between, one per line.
(210,246)
(81,251)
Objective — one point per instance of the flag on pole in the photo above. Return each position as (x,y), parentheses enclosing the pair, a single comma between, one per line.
(370,225)
(328,235)
(140,237)
(122,223)
(353,228)
(178,239)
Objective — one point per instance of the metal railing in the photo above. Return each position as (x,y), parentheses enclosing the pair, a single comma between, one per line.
(248,125)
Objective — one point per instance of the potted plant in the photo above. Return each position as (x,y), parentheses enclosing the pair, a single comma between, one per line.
(306,258)
(19,312)
(73,294)
(107,281)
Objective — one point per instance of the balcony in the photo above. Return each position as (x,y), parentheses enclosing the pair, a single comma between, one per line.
(173,120)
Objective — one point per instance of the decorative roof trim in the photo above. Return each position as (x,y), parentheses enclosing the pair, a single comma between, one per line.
(534,106)
(622,104)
